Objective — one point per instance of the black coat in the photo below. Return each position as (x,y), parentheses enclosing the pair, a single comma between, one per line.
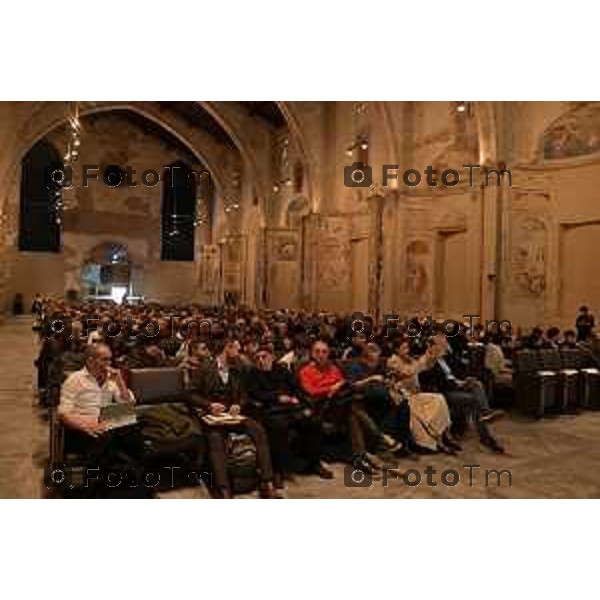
(206,385)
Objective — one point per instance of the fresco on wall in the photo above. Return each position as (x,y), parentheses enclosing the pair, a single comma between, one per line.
(453,140)
(576,133)
(334,254)
(416,279)
(286,248)
(529,256)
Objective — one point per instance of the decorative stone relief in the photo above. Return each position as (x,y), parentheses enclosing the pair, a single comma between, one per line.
(208,275)
(233,257)
(334,270)
(528,259)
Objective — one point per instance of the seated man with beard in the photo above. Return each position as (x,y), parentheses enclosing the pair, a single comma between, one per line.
(276,404)
(216,389)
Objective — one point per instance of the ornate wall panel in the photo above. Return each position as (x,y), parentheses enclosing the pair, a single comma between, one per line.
(233,258)
(284,268)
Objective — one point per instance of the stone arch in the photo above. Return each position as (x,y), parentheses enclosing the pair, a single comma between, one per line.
(44,117)
(77,256)
(172,125)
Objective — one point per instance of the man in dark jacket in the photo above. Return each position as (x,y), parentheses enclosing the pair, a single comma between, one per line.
(463,398)
(584,324)
(216,389)
(276,402)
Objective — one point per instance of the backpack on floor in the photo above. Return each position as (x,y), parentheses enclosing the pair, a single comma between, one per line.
(241,463)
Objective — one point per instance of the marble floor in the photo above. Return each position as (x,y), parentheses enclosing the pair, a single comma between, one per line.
(554,458)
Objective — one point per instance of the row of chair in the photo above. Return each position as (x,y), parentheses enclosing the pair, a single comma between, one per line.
(551,381)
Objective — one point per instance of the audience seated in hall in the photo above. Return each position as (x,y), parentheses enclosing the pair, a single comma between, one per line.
(292,376)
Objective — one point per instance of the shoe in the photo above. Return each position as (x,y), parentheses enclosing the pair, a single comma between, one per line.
(450,443)
(268,491)
(324,473)
(361,463)
(406,452)
(391,445)
(447,449)
(375,462)
(423,450)
(492,414)
(492,444)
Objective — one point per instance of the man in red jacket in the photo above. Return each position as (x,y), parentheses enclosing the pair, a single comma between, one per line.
(328,389)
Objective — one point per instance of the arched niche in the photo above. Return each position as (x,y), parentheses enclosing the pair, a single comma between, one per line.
(107,272)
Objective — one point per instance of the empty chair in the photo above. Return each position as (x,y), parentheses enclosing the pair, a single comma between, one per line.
(157,385)
(568,379)
(536,388)
(589,376)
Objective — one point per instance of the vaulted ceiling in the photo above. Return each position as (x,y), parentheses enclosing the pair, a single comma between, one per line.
(197,116)
(267,113)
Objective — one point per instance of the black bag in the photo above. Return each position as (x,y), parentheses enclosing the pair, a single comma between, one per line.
(241,463)
(171,433)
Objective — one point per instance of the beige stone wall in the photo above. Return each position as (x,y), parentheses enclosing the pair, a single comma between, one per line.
(524,253)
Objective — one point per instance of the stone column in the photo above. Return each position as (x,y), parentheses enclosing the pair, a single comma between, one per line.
(489,231)
(377,203)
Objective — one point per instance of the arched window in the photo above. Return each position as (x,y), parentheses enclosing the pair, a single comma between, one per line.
(178,212)
(39,230)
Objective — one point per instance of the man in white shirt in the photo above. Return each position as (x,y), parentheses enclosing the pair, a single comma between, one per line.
(83,395)
(86,391)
